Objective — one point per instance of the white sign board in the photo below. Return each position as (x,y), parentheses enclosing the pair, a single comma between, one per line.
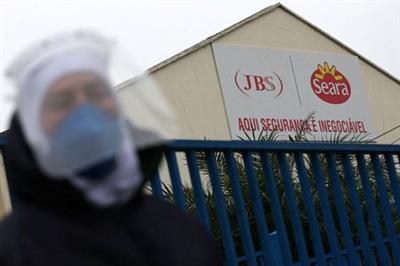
(272,90)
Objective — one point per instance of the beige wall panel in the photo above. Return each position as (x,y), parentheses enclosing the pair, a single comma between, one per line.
(5,205)
(191,86)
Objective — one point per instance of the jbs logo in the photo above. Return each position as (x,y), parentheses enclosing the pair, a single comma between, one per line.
(330,85)
(259,85)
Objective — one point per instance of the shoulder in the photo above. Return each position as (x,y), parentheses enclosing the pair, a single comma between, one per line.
(154,208)
(166,229)
(7,228)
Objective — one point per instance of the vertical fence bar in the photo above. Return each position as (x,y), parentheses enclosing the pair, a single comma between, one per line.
(326,209)
(372,213)
(221,210)
(275,249)
(276,210)
(309,208)
(258,208)
(241,213)
(394,181)
(353,258)
(386,208)
(398,158)
(175,179)
(355,202)
(295,218)
(156,188)
(201,206)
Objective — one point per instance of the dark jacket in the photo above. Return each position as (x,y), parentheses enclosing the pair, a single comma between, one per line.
(52,224)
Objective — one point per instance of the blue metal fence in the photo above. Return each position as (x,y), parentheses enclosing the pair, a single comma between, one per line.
(290,203)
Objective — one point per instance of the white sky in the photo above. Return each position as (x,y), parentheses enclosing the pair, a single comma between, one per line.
(152,31)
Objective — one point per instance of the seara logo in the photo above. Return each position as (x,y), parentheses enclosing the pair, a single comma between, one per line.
(330,85)
(255,85)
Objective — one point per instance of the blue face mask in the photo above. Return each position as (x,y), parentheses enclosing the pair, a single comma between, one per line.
(87,142)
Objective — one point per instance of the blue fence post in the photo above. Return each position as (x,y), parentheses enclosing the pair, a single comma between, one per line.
(275,250)
(240,210)
(386,208)
(355,203)
(276,210)
(341,209)
(175,179)
(293,209)
(201,206)
(372,213)
(156,188)
(259,211)
(394,181)
(221,210)
(326,209)
(310,209)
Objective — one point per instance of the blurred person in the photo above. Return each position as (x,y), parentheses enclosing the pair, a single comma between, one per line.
(78,168)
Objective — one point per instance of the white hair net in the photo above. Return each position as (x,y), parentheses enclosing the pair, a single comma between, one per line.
(42,64)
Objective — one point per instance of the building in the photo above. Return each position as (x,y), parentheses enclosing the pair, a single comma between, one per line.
(191,83)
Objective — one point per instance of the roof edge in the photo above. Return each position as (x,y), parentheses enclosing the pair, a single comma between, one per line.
(233,27)
(199,45)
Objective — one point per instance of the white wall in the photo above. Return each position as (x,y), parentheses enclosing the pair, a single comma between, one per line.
(5,205)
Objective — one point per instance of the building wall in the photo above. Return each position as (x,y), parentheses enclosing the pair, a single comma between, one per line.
(5,205)
(192,90)
(191,83)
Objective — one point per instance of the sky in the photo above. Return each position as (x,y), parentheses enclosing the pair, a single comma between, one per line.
(151,31)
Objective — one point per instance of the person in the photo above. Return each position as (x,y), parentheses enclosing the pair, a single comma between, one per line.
(77,170)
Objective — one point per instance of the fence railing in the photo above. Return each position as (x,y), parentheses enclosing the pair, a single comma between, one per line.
(271,203)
